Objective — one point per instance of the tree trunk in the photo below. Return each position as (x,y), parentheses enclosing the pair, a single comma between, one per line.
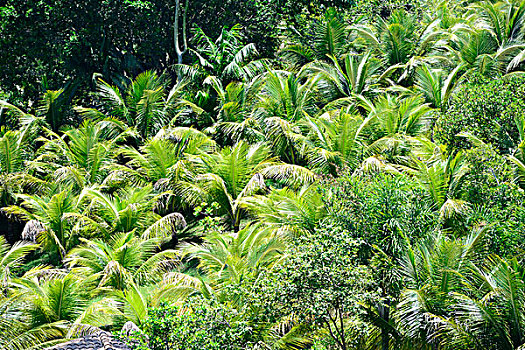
(384,311)
(180,52)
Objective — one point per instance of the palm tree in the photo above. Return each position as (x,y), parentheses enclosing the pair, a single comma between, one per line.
(15,152)
(494,317)
(329,39)
(226,58)
(231,258)
(393,121)
(164,157)
(234,173)
(398,43)
(285,95)
(55,217)
(122,263)
(435,272)
(288,212)
(352,75)
(506,22)
(83,156)
(130,210)
(145,103)
(283,101)
(435,85)
(443,177)
(18,333)
(51,110)
(454,301)
(12,258)
(60,303)
(334,140)
(234,119)
(487,39)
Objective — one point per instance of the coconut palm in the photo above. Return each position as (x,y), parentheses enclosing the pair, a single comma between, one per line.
(12,258)
(434,272)
(494,317)
(443,177)
(234,119)
(393,121)
(54,219)
(329,39)
(454,301)
(285,95)
(51,110)
(226,58)
(121,263)
(354,74)
(284,100)
(334,140)
(82,156)
(435,85)
(145,103)
(130,210)
(18,333)
(398,44)
(487,39)
(231,258)
(504,18)
(236,172)
(164,157)
(15,153)
(55,306)
(60,303)
(288,212)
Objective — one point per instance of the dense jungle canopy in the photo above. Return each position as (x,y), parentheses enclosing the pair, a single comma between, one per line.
(280,175)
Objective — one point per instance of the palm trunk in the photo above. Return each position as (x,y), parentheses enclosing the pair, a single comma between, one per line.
(236,220)
(385,314)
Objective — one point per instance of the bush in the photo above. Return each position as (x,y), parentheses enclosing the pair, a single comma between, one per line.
(505,234)
(490,180)
(486,109)
(496,201)
(382,210)
(321,281)
(199,324)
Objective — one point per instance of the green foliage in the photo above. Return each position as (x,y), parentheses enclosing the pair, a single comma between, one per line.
(382,210)
(322,283)
(199,324)
(365,190)
(486,109)
(373,8)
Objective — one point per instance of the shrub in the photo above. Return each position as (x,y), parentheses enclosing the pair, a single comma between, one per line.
(199,324)
(486,109)
(496,201)
(489,181)
(322,281)
(382,210)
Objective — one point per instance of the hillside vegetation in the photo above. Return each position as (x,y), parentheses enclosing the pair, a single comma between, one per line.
(250,175)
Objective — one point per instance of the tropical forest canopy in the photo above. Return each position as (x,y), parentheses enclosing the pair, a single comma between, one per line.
(278,175)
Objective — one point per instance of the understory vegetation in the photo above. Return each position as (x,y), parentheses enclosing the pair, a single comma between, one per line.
(315,175)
